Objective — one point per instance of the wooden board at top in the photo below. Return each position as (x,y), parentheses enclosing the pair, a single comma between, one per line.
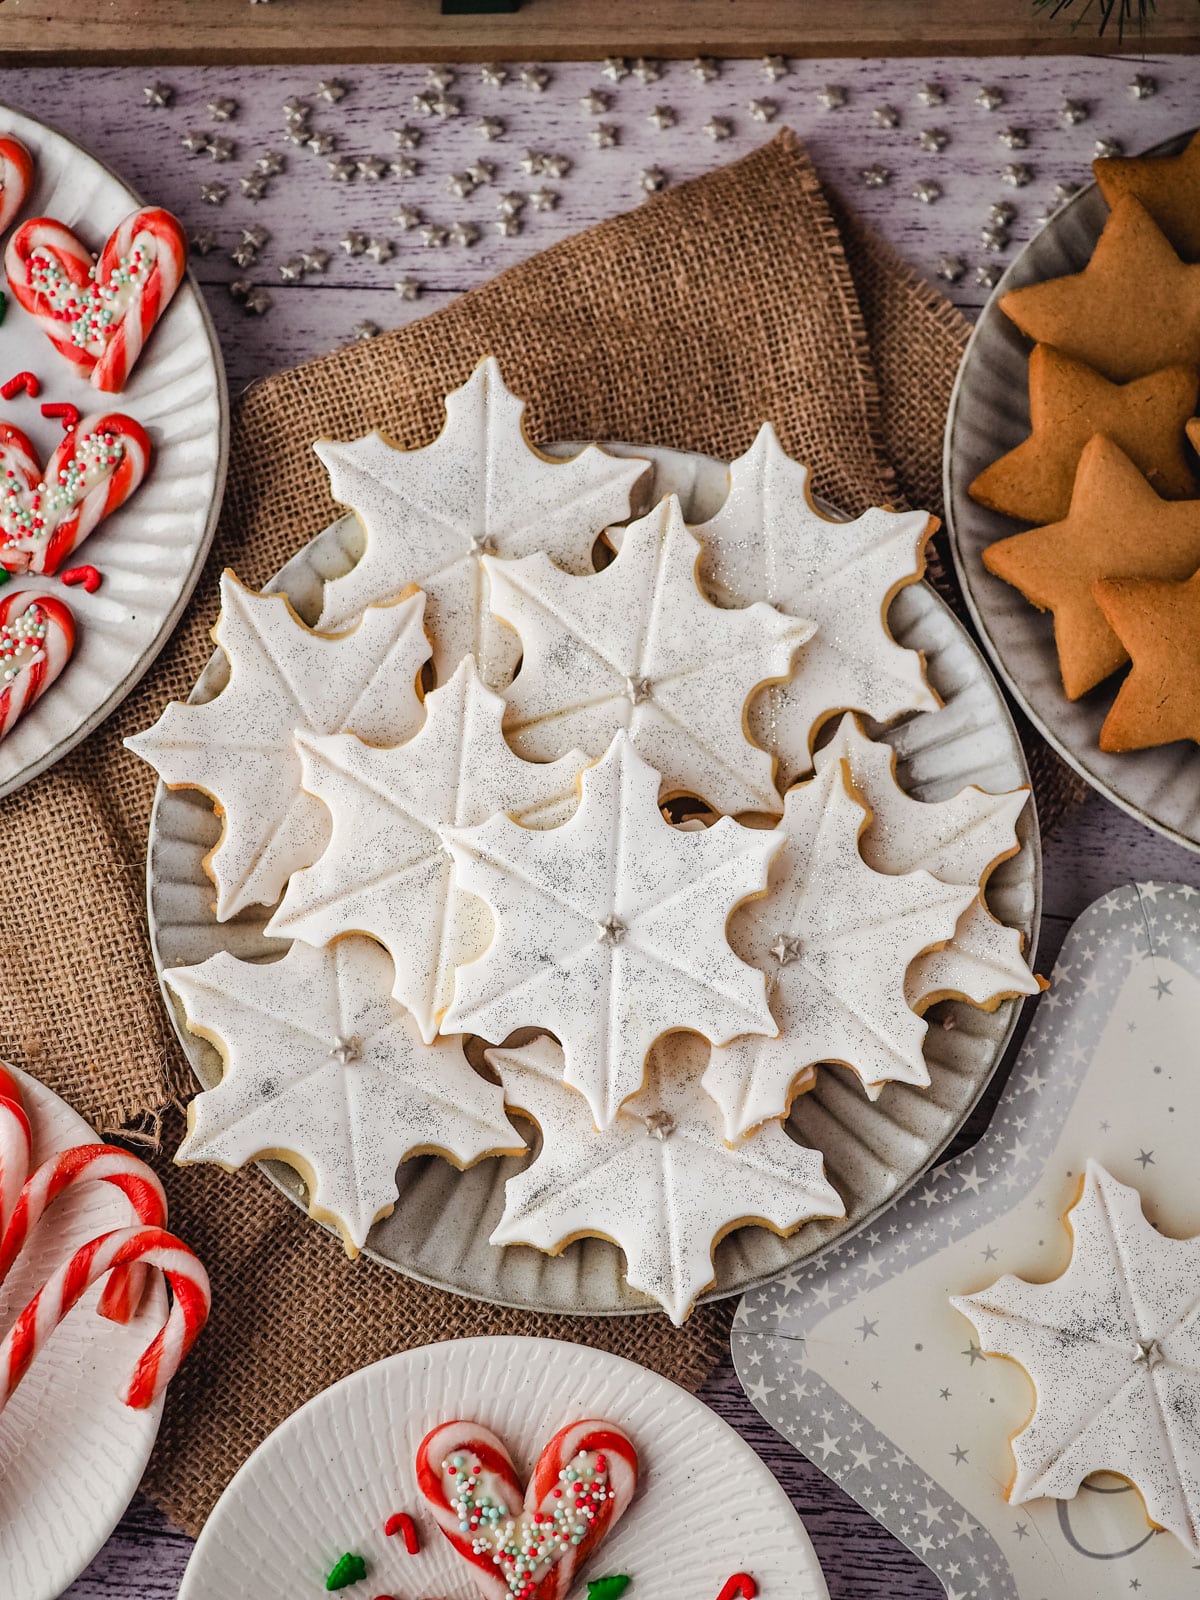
(77,32)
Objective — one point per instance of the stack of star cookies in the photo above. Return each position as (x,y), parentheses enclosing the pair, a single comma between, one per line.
(560,813)
(1108,473)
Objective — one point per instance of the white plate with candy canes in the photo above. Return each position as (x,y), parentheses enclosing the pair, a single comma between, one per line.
(323,1487)
(444,1225)
(71,1451)
(150,549)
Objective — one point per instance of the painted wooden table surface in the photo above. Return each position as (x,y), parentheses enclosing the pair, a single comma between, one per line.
(926,149)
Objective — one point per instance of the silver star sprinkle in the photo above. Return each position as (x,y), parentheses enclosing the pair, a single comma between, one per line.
(490,128)
(221,148)
(379,250)
(433,235)
(482,171)
(296,110)
(315,260)
(300,133)
(1017,174)
(774,67)
(705,68)
(253,185)
(422,104)
(508,205)
(353,243)
(638,690)
(763,110)
(406,136)
(222,108)
(990,98)
(652,179)
(531,162)
(196,142)
(603,136)
(323,143)
(1065,191)
(292,270)
(270,163)
(258,302)
(331,90)
(1002,213)
(660,1125)
(662,117)
(507,226)
(204,240)
(718,128)
(994,237)
(440,77)
(1147,1353)
(787,948)
(927,191)
(239,288)
(876,175)
(364,330)
(1143,87)
(464,234)
(243,255)
(646,70)
(158,94)
(987,277)
(404,167)
(342,169)
(595,102)
(543,199)
(931,94)
(885,117)
(933,139)
(833,97)
(1073,111)
(615,68)
(447,105)
(346,1050)
(461,184)
(407,288)
(213,194)
(373,168)
(951,268)
(1015,138)
(408,217)
(493,75)
(556,166)
(611,931)
(534,79)
(1106,149)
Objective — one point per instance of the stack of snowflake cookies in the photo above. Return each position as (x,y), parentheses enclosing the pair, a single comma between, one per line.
(521,794)
(1108,474)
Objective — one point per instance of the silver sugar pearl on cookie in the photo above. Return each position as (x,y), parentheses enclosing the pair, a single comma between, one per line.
(660,1124)
(346,1049)
(611,931)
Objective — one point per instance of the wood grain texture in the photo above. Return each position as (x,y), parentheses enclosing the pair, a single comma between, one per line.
(1097,848)
(79,31)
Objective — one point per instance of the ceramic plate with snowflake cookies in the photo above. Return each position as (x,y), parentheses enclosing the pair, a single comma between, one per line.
(111,390)
(557,862)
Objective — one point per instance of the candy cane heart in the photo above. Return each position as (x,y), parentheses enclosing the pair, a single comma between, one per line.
(161,1360)
(16,178)
(99,315)
(16,1144)
(94,470)
(37,638)
(530,1548)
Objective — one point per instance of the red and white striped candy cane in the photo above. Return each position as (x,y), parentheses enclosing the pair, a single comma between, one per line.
(158,234)
(496,1477)
(33,662)
(16,1144)
(103,490)
(16,178)
(19,464)
(44,238)
(90,1163)
(159,1362)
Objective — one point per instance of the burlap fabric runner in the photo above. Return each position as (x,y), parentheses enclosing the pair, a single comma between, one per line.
(684,323)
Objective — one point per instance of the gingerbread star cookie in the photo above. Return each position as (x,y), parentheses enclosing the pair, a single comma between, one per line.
(638,646)
(767,542)
(1168,187)
(1112,1347)
(837,939)
(385,871)
(959,841)
(284,679)
(610,930)
(1159,625)
(1133,309)
(660,1182)
(325,1071)
(480,488)
(1117,527)
(1068,403)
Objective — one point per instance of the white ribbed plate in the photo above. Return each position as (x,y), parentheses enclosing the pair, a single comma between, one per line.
(440,1228)
(327,1479)
(989,415)
(151,551)
(71,1452)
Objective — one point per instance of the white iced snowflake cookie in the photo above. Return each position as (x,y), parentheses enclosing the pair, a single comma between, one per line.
(837,938)
(325,1071)
(638,646)
(660,1182)
(385,871)
(768,542)
(610,930)
(284,679)
(959,841)
(430,515)
(1112,1348)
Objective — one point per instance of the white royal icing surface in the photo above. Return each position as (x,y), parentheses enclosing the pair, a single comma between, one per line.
(767,542)
(326,1071)
(610,930)
(957,840)
(385,871)
(661,1181)
(638,646)
(837,938)
(1112,1348)
(431,515)
(283,679)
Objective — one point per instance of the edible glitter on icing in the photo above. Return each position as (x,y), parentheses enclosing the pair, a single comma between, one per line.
(22,643)
(525,1547)
(28,516)
(93,309)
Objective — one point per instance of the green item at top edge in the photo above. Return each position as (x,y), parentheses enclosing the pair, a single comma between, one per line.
(610,1588)
(349,1569)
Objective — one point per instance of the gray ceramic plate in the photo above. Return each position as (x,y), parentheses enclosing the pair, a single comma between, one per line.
(989,414)
(439,1230)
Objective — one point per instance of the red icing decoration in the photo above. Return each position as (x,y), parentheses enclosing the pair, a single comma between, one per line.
(401,1522)
(62,409)
(87,576)
(740,1585)
(21,381)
